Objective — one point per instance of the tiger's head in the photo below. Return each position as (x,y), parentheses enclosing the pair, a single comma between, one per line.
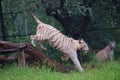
(112,45)
(83,46)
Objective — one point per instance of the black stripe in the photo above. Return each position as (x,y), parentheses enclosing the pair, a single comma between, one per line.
(53,36)
(60,47)
(57,45)
(54,41)
(50,33)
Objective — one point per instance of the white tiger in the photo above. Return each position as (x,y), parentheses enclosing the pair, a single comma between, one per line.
(106,53)
(67,45)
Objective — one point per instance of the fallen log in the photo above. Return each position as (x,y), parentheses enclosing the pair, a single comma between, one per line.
(7,51)
(13,57)
(31,61)
(34,52)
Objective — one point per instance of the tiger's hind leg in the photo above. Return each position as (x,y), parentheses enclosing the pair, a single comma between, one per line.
(40,43)
(32,39)
(75,60)
(65,57)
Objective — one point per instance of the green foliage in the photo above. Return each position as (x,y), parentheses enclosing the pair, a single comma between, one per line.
(54,54)
(117,52)
(88,57)
(109,71)
(20,39)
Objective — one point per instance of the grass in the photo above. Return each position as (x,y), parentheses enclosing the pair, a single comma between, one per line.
(109,71)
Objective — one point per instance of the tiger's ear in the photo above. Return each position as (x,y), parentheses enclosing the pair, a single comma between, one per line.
(81,41)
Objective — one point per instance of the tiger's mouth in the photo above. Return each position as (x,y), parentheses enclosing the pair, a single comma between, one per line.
(85,51)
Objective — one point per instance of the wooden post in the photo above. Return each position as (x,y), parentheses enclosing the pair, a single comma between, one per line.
(21,57)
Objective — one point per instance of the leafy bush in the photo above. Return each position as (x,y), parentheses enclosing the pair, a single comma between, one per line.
(88,57)
(117,52)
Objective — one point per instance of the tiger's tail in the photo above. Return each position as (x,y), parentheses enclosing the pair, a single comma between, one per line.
(37,20)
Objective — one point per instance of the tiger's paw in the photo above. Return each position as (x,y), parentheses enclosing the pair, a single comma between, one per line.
(44,49)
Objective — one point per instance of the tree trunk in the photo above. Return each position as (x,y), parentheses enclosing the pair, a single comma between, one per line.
(3,29)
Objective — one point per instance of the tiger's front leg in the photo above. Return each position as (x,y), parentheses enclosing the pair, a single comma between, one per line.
(75,60)
(111,56)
